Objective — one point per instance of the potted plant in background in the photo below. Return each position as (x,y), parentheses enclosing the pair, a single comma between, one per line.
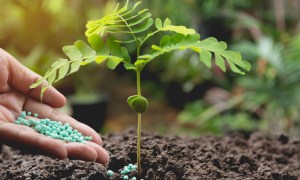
(88,102)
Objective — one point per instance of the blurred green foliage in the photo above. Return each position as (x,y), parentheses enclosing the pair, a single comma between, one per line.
(267,34)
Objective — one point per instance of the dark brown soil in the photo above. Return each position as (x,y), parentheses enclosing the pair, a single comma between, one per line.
(236,156)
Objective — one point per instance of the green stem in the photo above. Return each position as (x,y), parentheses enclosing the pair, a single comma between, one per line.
(139,145)
(133,35)
(138,85)
(138,82)
(148,36)
(140,44)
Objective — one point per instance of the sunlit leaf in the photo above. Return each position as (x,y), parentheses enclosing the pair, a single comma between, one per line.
(220,62)
(178,29)
(125,55)
(37,83)
(62,72)
(114,47)
(164,40)
(74,67)
(139,62)
(100,59)
(88,60)
(72,52)
(140,19)
(123,9)
(113,62)
(98,45)
(51,78)
(144,26)
(123,20)
(205,57)
(85,49)
(167,22)
(158,23)
(58,62)
(234,68)
(156,47)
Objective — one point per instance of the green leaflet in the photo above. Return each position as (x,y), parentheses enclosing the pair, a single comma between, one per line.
(114,47)
(166,26)
(62,72)
(158,23)
(205,57)
(140,19)
(113,62)
(74,67)
(85,49)
(220,62)
(72,52)
(144,26)
(167,22)
(98,45)
(116,51)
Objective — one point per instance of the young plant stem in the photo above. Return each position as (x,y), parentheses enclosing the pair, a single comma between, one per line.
(139,145)
(138,83)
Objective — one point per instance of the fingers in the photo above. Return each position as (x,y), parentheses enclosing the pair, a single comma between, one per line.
(51,96)
(20,77)
(25,138)
(88,151)
(81,151)
(46,111)
(102,154)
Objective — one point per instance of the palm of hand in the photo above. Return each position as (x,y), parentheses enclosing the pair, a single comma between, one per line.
(11,104)
(14,85)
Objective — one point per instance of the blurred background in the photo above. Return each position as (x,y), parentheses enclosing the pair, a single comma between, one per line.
(185,97)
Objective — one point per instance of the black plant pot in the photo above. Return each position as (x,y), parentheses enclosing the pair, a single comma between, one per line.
(92,113)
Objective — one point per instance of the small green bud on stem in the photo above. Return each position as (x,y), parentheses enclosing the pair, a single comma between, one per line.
(138,103)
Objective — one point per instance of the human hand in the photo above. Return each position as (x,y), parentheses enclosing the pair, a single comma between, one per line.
(15,80)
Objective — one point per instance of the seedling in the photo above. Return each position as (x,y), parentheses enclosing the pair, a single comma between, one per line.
(139,28)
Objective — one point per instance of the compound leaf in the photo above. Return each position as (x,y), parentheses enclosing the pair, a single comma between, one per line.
(219,48)
(204,48)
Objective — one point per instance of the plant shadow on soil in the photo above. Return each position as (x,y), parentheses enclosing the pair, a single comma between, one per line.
(234,156)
